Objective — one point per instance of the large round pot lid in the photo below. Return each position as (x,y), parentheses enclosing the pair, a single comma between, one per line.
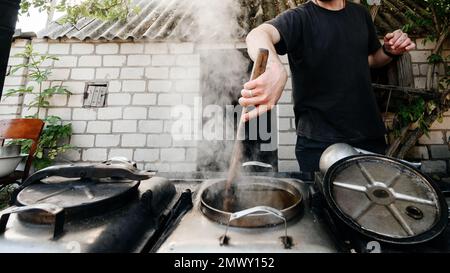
(385,199)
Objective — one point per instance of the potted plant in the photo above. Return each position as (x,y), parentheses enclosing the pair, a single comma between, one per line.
(55,135)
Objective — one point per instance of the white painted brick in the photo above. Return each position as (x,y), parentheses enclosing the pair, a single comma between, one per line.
(288,85)
(150,126)
(58,100)
(75,101)
(119,99)
(66,61)
(173,154)
(415,68)
(72,155)
(14,100)
(184,73)
(134,140)
(189,98)
(286,152)
(163,60)
(107,73)
(78,127)
(114,60)
(285,110)
(284,124)
(133,86)
(418,152)
(181,48)
(107,140)
(124,126)
(115,86)
(110,113)
(160,167)
(286,97)
(146,155)
(131,48)
(191,154)
(84,114)
(188,60)
(435,137)
(107,48)
(288,166)
(20,42)
(420,82)
(63,113)
(91,61)
(157,73)
(424,44)
(159,113)
(59,74)
(144,99)
(96,154)
(156,48)
(16,61)
(82,141)
(159,140)
(14,81)
(99,127)
(127,153)
(132,73)
(82,74)
(41,48)
(419,56)
(159,86)
(183,167)
(218,45)
(287,138)
(82,49)
(75,87)
(9,110)
(169,99)
(192,86)
(444,125)
(184,143)
(135,113)
(139,60)
(59,49)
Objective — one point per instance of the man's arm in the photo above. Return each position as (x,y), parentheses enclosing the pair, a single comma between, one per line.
(265,91)
(395,43)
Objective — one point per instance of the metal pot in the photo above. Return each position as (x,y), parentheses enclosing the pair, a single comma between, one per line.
(256,202)
(10,150)
(10,158)
(334,153)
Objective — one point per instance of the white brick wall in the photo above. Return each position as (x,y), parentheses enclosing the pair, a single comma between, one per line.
(144,81)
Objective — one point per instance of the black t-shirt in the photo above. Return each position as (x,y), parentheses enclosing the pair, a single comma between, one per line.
(328,56)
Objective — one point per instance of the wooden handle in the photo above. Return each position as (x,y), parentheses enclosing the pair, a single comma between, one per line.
(259,67)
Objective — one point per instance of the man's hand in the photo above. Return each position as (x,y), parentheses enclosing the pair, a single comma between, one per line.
(398,42)
(265,91)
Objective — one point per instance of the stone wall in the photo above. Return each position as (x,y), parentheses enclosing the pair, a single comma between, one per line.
(144,81)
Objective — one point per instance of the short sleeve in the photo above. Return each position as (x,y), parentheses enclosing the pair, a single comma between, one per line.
(289,25)
(373,43)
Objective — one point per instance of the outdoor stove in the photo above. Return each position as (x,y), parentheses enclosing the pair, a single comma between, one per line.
(163,214)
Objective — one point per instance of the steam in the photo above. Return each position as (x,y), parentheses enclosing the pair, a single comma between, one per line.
(216,24)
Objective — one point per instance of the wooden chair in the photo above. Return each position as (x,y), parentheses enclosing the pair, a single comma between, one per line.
(21,129)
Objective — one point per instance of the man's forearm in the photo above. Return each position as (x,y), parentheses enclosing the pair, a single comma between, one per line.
(379,59)
(261,38)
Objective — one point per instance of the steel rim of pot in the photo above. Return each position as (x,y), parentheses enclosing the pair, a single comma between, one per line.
(435,230)
(256,219)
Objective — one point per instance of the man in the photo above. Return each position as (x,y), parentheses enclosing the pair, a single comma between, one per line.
(331,45)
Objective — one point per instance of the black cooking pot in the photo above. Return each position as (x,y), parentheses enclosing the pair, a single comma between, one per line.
(8,21)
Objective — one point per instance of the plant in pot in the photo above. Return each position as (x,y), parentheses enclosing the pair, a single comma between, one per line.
(55,135)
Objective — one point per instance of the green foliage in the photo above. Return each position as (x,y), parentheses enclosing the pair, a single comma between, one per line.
(415,112)
(106,10)
(55,133)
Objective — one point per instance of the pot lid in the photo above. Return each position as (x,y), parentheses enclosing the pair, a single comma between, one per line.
(382,196)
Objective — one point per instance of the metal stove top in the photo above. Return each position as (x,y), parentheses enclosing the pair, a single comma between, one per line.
(195,233)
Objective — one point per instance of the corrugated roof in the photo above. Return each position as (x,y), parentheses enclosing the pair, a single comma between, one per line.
(173,20)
